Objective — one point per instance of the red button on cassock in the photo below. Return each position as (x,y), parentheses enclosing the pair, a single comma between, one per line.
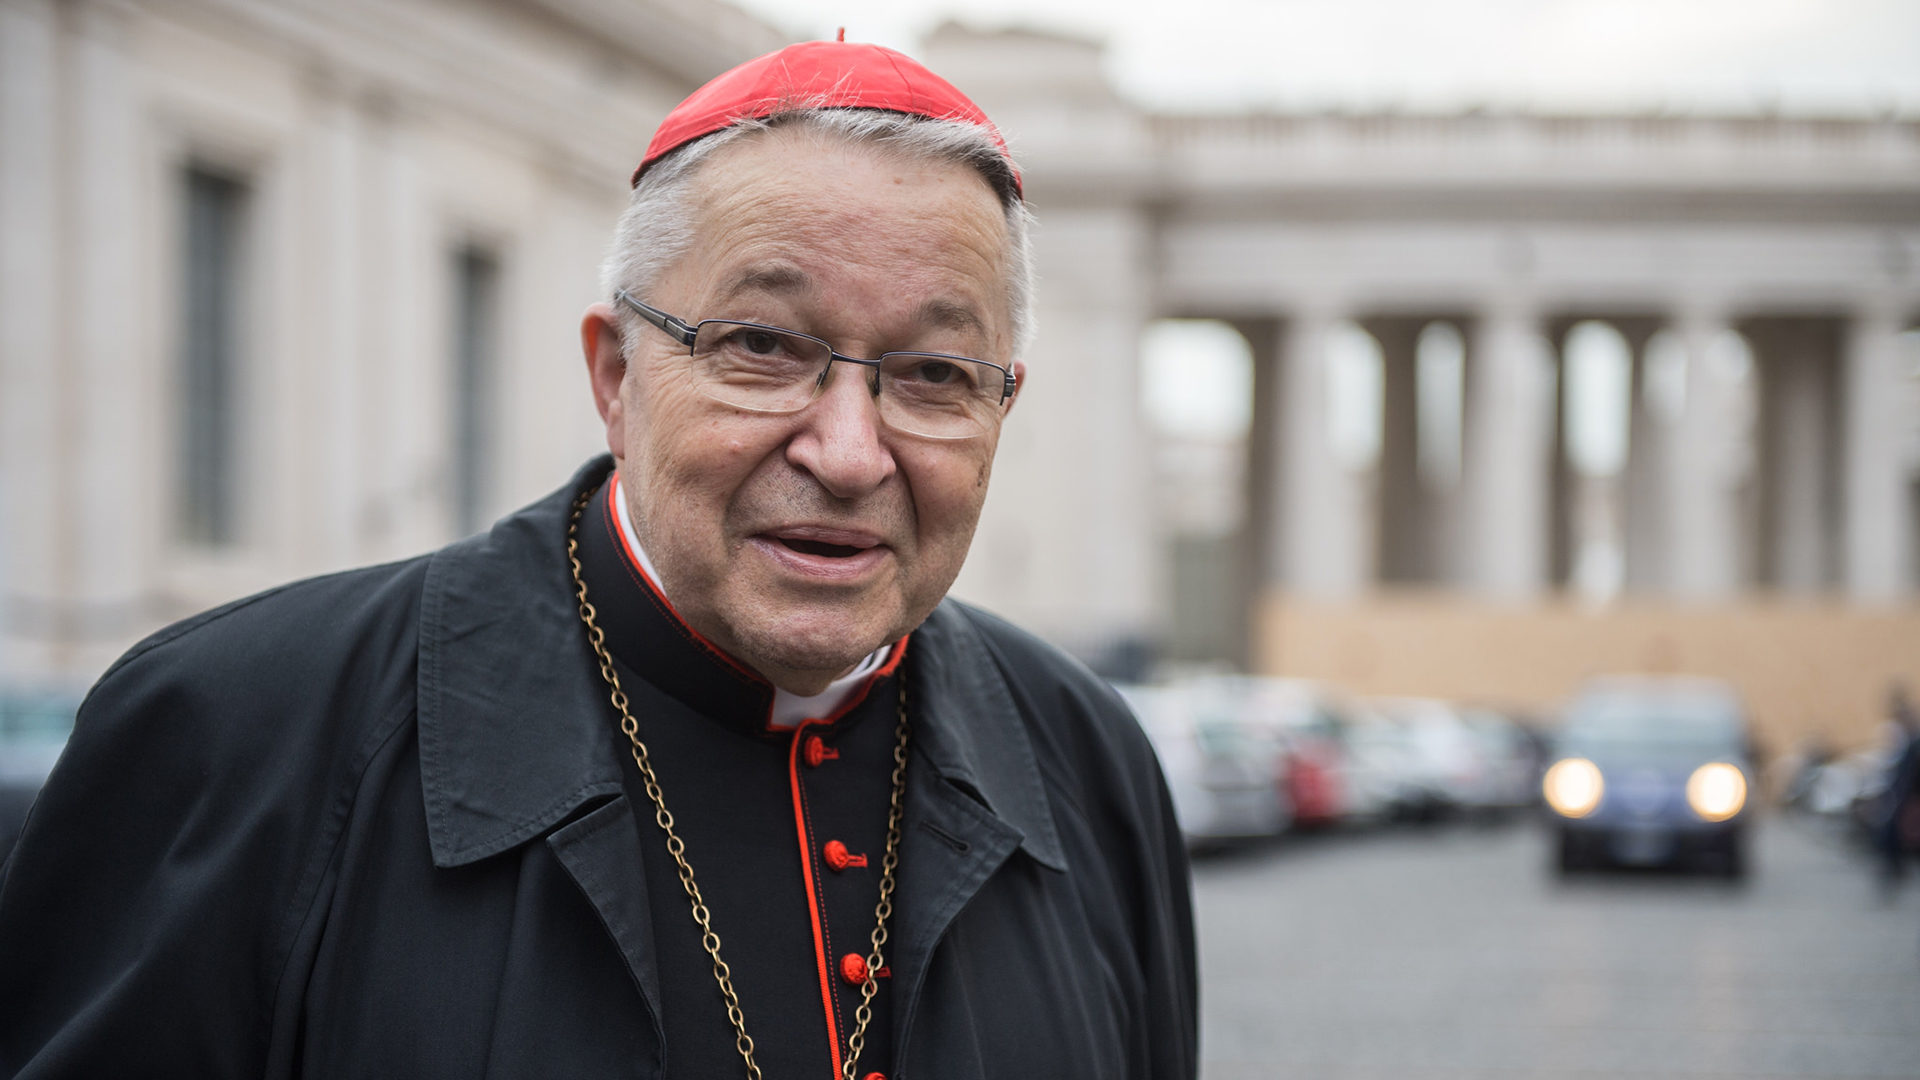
(840,858)
(816,751)
(853,968)
(874,1076)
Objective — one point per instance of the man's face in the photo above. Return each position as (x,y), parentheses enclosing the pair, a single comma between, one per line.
(800,543)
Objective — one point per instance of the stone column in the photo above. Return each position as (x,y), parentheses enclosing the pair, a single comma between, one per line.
(1877,540)
(1442,475)
(32,480)
(1508,453)
(1650,429)
(1704,537)
(1319,528)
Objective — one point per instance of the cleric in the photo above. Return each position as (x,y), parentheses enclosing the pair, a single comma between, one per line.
(687,770)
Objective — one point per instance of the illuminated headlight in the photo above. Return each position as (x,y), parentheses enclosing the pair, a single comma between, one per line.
(1573,787)
(1716,791)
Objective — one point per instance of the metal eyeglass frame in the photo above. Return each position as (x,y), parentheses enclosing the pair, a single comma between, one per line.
(685,333)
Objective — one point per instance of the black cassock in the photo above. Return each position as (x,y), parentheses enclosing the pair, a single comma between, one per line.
(385,823)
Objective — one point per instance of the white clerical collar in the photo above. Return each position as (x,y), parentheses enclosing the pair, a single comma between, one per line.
(788,708)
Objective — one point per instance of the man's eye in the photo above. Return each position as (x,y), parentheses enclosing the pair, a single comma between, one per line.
(937,382)
(937,372)
(760,342)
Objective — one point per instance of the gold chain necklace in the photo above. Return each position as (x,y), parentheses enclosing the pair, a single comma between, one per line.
(710,940)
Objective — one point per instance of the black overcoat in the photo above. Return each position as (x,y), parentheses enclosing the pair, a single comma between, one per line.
(372,824)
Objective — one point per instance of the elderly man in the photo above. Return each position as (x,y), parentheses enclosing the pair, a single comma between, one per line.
(688,770)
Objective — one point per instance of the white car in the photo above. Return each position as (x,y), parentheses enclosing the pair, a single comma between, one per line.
(1465,760)
(1223,775)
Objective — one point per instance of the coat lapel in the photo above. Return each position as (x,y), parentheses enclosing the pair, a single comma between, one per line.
(513,729)
(950,846)
(601,852)
(974,796)
(513,719)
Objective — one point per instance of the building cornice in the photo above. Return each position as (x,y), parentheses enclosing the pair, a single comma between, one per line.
(590,117)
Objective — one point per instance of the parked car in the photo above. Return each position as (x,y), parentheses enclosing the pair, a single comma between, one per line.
(1510,763)
(1302,723)
(1454,760)
(1384,780)
(1839,789)
(1652,771)
(1224,777)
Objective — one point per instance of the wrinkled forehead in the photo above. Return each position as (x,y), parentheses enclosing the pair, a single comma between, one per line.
(830,165)
(808,195)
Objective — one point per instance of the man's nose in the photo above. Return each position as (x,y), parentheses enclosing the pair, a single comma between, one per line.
(842,440)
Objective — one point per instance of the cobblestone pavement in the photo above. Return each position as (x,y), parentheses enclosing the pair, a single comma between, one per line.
(1454,953)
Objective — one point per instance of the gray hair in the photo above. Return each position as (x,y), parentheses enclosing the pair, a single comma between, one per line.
(657,226)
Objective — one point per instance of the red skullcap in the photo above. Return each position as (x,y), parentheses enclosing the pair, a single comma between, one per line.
(824,74)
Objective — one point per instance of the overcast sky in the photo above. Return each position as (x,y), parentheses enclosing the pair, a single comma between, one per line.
(1808,56)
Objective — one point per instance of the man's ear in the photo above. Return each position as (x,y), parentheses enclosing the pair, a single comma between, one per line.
(606,372)
(1019,383)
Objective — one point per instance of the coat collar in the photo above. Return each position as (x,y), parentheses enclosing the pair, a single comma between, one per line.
(516,732)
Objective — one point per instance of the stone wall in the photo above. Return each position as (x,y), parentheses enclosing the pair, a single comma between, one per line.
(1804,668)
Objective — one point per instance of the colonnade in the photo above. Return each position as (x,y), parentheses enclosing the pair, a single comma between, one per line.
(1802,488)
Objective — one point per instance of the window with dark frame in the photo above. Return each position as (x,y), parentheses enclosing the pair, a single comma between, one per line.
(212,252)
(475,337)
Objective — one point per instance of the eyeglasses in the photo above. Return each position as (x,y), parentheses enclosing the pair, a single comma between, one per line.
(769,370)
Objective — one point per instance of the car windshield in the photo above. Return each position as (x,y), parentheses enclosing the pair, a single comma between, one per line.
(1651,732)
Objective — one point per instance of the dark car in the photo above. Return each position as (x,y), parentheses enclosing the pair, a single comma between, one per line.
(1652,772)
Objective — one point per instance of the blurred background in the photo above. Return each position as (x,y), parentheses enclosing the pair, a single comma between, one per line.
(1426,394)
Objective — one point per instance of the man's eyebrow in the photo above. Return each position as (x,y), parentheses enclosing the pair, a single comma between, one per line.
(768,279)
(950,315)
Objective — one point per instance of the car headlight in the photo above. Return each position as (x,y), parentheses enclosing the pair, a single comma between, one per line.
(1573,787)
(1717,791)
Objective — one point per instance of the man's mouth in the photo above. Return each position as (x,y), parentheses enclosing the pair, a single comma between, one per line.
(823,555)
(816,547)
(822,542)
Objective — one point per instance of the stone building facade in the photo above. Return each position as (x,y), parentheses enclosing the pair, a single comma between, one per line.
(287,287)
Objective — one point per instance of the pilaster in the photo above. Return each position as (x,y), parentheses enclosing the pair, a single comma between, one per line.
(110,433)
(33,497)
